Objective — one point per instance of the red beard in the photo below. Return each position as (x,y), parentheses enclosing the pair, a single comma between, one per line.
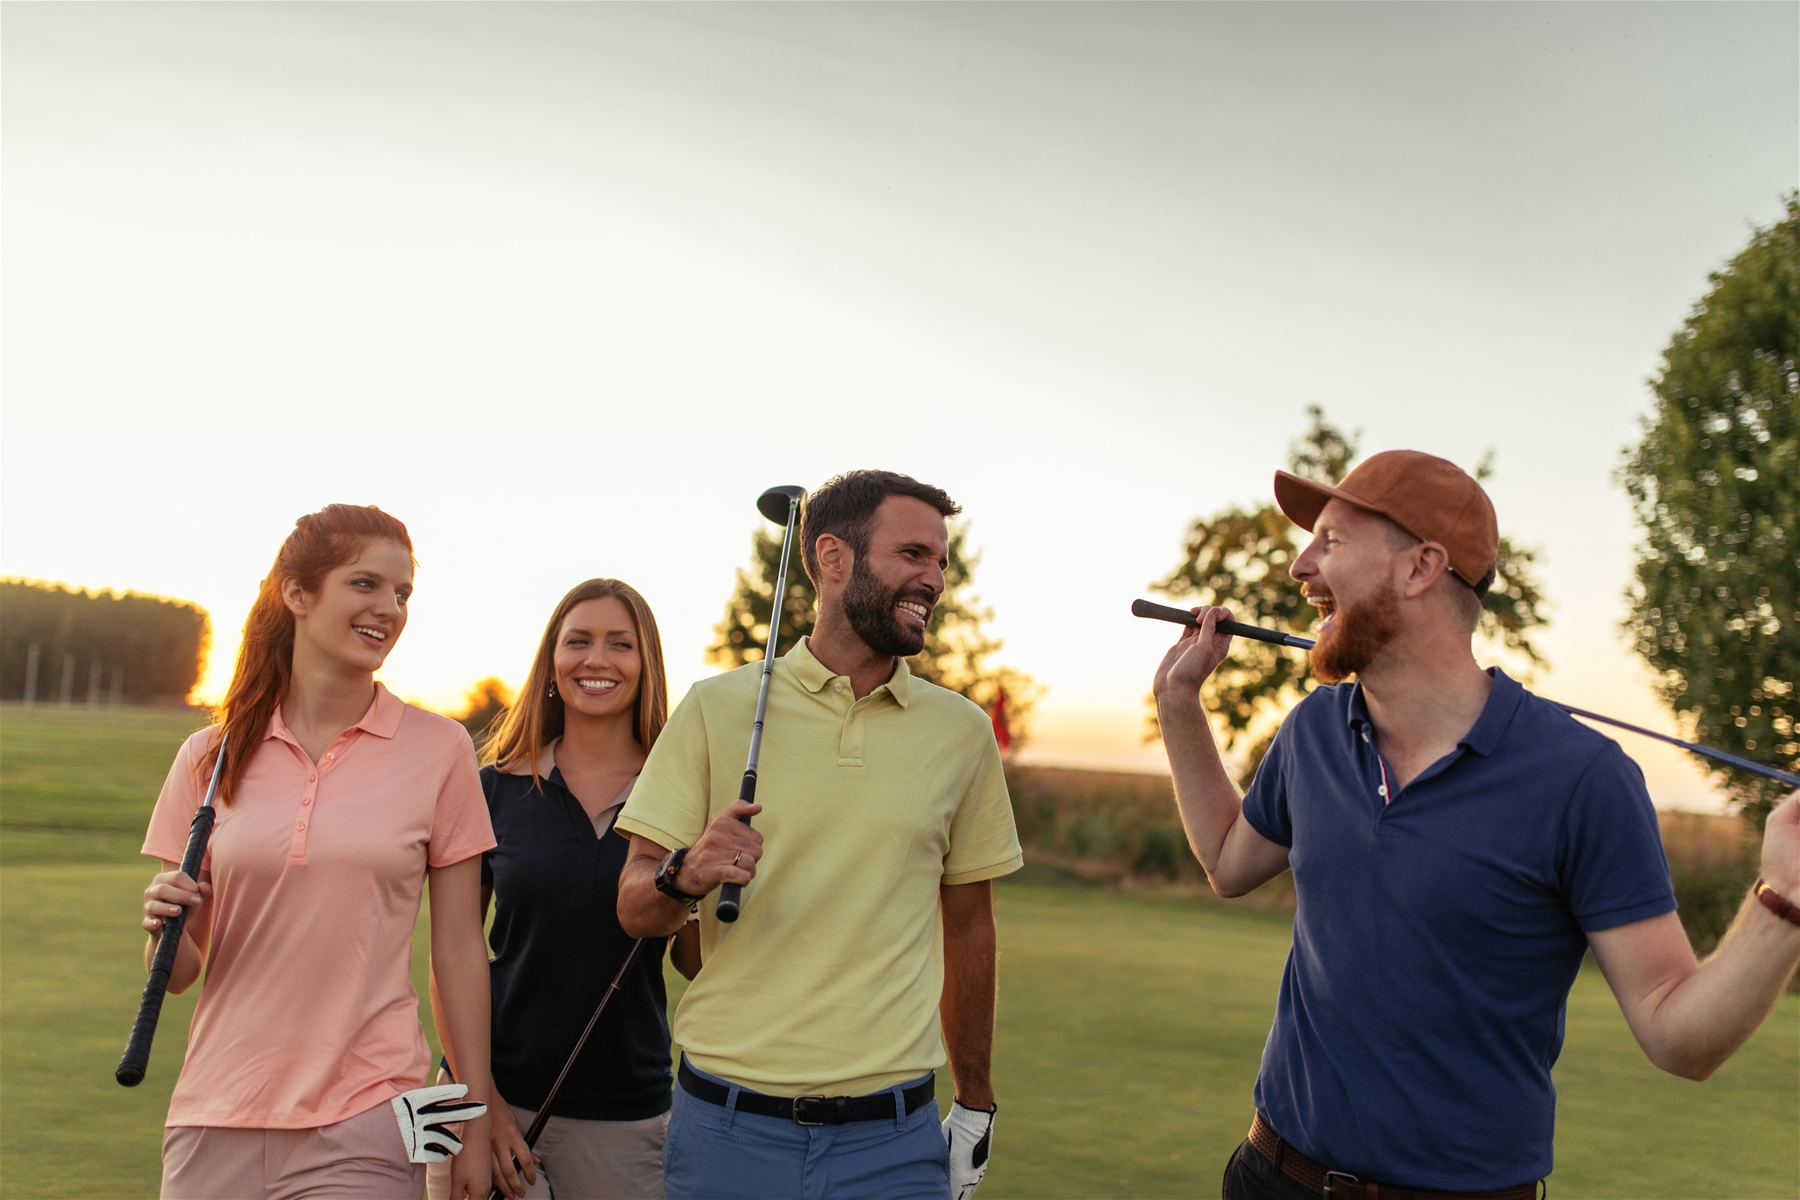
(1360,632)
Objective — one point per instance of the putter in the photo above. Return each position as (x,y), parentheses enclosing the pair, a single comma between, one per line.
(781,504)
(143,1030)
(1181,616)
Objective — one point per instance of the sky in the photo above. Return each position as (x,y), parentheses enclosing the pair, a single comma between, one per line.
(565,287)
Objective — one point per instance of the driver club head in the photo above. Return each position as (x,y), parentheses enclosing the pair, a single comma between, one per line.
(774,503)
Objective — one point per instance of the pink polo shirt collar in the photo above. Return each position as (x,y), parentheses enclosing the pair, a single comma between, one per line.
(382,719)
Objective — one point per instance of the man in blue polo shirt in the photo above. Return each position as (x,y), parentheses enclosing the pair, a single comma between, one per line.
(1457,845)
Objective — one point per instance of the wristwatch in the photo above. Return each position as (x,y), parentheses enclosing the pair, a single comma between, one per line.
(665,877)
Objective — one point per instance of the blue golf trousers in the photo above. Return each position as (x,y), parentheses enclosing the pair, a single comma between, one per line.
(714,1152)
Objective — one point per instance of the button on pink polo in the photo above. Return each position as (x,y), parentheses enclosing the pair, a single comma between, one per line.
(308,1016)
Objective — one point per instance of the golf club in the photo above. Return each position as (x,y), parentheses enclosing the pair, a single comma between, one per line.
(143,1031)
(1181,616)
(543,1117)
(777,504)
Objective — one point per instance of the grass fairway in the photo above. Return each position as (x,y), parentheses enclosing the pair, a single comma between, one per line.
(1131,1028)
(1130,1025)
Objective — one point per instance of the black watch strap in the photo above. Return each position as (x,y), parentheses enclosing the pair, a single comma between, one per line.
(665,877)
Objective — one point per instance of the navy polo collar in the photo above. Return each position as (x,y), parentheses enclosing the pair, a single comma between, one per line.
(1502,704)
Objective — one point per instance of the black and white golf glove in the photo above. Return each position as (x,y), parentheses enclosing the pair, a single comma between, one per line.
(969,1132)
(423,1113)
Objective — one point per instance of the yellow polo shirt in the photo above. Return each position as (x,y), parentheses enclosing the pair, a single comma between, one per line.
(829,981)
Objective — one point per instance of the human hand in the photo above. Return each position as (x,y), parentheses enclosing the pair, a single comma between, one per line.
(725,853)
(969,1135)
(511,1157)
(168,894)
(472,1172)
(1195,655)
(1781,849)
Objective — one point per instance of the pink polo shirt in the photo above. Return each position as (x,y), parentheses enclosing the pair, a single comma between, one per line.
(308,1016)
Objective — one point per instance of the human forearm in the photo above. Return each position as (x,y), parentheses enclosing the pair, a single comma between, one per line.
(1236,859)
(1698,1020)
(644,911)
(726,851)
(966,1009)
(459,973)
(171,894)
(1208,800)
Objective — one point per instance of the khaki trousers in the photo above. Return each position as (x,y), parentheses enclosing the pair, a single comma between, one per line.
(361,1158)
(585,1160)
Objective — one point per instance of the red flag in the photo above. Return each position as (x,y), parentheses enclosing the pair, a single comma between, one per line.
(1001,733)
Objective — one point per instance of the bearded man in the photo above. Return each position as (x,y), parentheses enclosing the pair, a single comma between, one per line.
(1457,845)
(811,1035)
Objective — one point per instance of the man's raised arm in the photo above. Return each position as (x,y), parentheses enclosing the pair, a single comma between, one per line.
(1236,857)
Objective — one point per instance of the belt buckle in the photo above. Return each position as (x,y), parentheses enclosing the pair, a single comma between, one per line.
(1327,1193)
(798,1100)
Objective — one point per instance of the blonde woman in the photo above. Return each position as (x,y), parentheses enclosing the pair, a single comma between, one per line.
(565,758)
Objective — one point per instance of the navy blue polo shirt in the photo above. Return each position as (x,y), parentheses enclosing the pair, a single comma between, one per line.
(1436,937)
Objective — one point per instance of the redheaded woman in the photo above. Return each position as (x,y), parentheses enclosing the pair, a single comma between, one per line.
(565,758)
(338,802)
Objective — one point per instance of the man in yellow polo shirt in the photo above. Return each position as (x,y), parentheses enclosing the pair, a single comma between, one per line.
(866,941)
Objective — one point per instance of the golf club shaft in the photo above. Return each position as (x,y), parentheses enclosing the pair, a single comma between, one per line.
(543,1117)
(1180,616)
(136,1059)
(731,894)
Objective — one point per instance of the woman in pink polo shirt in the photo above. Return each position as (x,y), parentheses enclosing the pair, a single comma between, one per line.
(337,803)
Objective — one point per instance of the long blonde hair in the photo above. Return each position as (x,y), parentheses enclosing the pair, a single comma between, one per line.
(537,717)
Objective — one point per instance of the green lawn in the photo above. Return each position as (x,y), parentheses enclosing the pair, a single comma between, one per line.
(1130,1025)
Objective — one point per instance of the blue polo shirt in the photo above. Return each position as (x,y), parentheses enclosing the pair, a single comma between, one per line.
(1436,937)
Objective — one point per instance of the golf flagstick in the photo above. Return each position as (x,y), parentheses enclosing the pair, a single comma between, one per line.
(543,1117)
(1181,616)
(143,1031)
(777,504)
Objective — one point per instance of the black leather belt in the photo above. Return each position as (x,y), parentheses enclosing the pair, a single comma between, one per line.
(809,1110)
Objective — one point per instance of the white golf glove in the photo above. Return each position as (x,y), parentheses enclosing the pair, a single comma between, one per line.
(969,1132)
(423,1113)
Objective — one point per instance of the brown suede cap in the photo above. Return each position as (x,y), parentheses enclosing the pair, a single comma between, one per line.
(1431,498)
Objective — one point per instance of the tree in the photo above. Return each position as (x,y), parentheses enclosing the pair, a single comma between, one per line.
(153,646)
(958,646)
(1240,559)
(1715,483)
(485,704)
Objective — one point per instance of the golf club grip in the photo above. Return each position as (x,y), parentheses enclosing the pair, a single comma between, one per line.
(731,902)
(136,1060)
(1181,616)
(731,895)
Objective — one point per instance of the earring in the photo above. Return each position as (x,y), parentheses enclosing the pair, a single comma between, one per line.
(552,692)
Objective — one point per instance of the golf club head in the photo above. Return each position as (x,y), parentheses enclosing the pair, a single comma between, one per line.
(774,503)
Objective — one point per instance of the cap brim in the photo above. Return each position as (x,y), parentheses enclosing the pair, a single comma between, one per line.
(1303,500)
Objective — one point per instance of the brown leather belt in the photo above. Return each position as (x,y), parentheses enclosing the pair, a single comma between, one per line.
(1341,1185)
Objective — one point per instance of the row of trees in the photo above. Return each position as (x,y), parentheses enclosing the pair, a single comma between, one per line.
(154,646)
